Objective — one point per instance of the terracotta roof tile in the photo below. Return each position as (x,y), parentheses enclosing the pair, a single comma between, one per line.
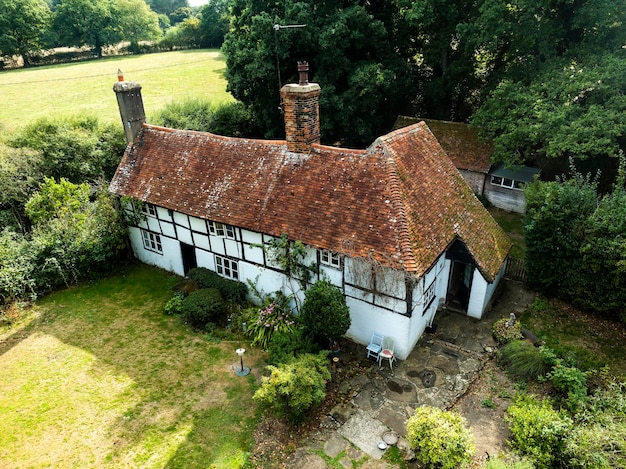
(459,140)
(401,201)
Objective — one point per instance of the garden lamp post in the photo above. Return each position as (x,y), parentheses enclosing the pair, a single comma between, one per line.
(244,370)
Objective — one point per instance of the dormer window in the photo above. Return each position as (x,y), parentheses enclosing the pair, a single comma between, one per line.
(221,229)
(330,258)
(149,210)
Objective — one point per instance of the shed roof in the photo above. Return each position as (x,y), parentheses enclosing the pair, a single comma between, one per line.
(401,201)
(518,172)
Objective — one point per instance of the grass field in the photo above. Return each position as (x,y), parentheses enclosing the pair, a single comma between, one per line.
(87,87)
(102,378)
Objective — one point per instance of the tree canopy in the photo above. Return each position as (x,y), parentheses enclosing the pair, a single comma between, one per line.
(23,24)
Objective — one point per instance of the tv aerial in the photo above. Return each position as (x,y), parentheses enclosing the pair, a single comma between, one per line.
(278,27)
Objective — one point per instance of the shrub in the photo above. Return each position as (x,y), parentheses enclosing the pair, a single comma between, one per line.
(538,430)
(202,307)
(325,312)
(174,304)
(439,437)
(269,320)
(508,463)
(571,382)
(522,359)
(231,290)
(503,333)
(285,346)
(292,389)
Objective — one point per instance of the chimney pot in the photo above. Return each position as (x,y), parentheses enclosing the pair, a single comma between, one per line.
(303,70)
(120,75)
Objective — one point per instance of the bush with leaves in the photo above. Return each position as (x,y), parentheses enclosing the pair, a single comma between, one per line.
(292,389)
(504,332)
(538,431)
(231,290)
(270,320)
(522,359)
(440,437)
(285,346)
(174,304)
(202,307)
(567,378)
(324,311)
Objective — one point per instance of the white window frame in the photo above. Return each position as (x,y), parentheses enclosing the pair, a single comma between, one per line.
(506,182)
(152,241)
(149,209)
(221,230)
(429,295)
(227,267)
(330,258)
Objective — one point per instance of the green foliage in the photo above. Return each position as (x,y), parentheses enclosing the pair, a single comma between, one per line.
(23,24)
(231,290)
(273,318)
(509,463)
(214,23)
(55,200)
(325,312)
(230,119)
(599,435)
(568,379)
(202,307)
(285,346)
(174,305)
(294,388)
(136,22)
(522,359)
(78,149)
(504,333)
(538,431)
(439,437)
(575,244)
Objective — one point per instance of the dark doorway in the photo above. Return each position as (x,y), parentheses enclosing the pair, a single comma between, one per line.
(189,257)
(459,285)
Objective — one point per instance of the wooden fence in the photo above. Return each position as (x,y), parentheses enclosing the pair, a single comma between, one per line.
(516,270)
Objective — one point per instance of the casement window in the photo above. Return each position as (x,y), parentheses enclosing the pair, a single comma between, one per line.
(330,258)
(149,210)
(429,296)
(506,182)
(151,241)
(227,267)
(221,229)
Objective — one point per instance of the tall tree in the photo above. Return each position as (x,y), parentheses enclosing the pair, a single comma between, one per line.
(87,22)
(23,24)
(214,23)
(165,7)
(137,22)
(364,81)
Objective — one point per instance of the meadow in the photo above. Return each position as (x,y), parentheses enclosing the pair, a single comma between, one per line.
(87,87)
(99,376)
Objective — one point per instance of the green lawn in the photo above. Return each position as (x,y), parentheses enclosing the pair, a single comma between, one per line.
(87,87)
(512,224)
(102,378)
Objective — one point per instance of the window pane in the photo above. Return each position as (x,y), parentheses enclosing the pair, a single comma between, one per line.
(496,180)
(508,183)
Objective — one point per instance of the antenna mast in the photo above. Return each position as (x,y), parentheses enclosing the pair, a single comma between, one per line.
(278,27)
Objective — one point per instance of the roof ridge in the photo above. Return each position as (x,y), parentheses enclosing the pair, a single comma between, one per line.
(397,204)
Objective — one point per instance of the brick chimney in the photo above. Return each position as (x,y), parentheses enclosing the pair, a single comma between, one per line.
(131,106)
(301,108)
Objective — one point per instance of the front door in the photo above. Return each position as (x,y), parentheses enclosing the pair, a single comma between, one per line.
(459,285)
(188,253)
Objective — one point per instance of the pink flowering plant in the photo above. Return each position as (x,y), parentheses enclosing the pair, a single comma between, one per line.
(271,319)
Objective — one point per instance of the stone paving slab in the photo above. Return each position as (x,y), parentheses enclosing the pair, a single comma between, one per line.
(364,432)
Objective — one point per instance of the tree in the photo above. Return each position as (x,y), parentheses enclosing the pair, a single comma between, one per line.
(166,7)
(23,24)
(324,311)
(94,23)
(214,23)
(365,82)
(137,22)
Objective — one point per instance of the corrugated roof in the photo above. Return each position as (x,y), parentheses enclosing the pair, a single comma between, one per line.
(401,201)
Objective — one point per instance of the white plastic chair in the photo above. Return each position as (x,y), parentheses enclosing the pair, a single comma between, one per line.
(375,345)
(387,352)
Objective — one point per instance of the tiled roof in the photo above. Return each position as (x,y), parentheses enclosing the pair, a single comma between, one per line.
(401,201)
(459,140)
